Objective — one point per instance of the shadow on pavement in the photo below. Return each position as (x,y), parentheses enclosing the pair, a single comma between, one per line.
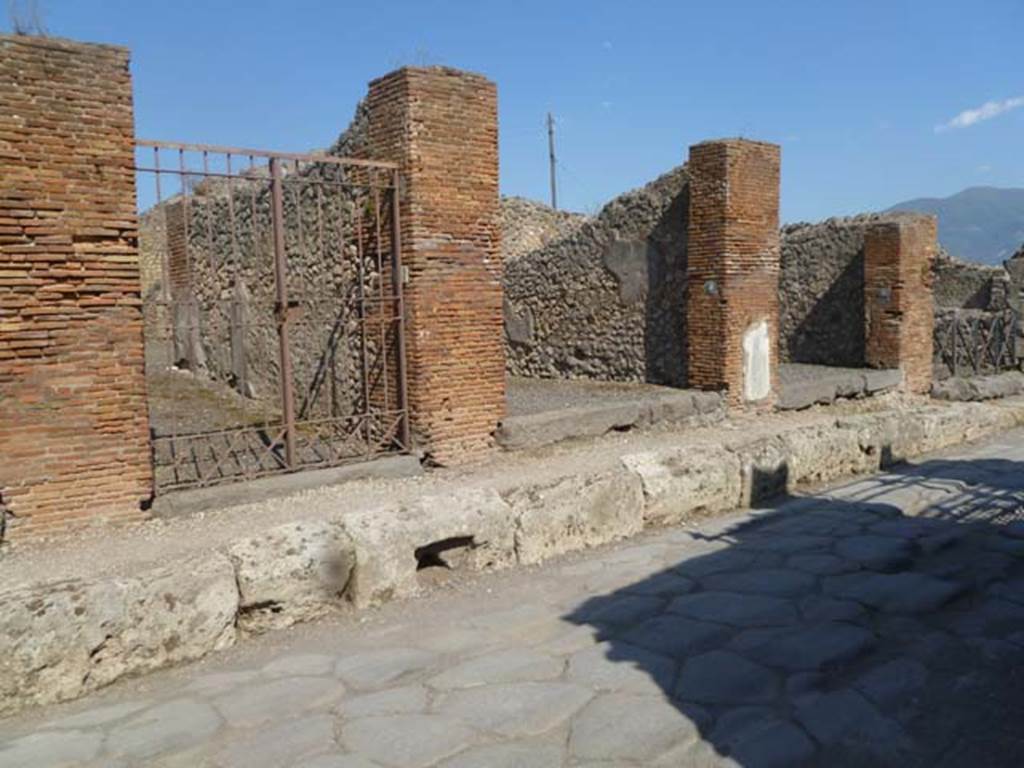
(836,630)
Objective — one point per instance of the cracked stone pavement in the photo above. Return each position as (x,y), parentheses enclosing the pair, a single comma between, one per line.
(877,623)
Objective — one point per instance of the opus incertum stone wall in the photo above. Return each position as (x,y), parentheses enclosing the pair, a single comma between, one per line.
(733,269)
(899,309)
(607,300)
(441,126)
(73,423)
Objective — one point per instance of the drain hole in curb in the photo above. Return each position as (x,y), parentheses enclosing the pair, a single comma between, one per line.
(431,555)
(264,606)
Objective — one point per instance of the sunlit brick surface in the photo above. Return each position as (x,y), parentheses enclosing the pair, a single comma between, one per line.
(899,310)
(733,260)
(73,426)
(441,125)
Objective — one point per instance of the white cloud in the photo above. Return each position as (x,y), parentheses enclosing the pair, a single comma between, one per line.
(986,111)
(984,168)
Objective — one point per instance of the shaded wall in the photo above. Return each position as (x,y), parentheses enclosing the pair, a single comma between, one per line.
(822,292)
(607,302)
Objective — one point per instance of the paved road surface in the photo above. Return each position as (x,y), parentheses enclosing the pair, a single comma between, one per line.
(879,624)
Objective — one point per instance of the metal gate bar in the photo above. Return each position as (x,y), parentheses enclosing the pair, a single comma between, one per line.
(977,342)
(282,312)
(295,260)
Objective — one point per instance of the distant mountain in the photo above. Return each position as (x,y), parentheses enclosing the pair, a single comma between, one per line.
(984,224)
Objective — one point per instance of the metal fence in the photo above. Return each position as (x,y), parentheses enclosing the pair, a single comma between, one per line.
(977,342)
(272,287)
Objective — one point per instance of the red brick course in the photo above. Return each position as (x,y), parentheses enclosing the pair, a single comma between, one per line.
(732,260)
(899,310)
(73,419)
(441,126)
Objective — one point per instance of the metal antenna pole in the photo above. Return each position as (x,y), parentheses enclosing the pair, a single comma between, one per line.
(551,155)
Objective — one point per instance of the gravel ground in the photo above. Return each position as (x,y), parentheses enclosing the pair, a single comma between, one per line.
(181,403)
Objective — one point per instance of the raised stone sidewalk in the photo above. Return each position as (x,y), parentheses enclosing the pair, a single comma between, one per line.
(880,623)
(61,639)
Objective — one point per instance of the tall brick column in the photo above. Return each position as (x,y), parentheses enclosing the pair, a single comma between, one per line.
(441,126)
(732,310)
(899,311)
(73,424)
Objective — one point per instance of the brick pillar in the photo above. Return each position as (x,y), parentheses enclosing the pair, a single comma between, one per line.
(441,126)
(732,309)
(73,424)
(899,312)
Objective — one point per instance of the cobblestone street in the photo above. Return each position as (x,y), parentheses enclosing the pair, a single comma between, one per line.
(879,623)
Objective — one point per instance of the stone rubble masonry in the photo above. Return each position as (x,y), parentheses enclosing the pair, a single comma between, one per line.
(103,628)
(966,285)
(607,300)
(528,226)
(733,262)
(73,419)
(899,309)
(441,126)
(821,285)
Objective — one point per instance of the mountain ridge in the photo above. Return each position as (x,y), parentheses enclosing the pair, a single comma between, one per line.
(984,224)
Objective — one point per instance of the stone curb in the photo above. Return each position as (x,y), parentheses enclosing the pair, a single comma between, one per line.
(796,395)
(977,388)
(60,640)
(538,429)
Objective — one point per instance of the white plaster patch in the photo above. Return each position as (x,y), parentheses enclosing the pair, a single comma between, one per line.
(757,383)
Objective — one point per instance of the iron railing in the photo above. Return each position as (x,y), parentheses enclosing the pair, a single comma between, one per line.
(977,342)
(274,313)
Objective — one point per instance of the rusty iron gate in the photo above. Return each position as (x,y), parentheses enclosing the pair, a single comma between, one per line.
(977,342)
(272,290)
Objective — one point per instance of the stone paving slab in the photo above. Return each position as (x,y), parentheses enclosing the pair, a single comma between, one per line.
(815,633)
(801,385)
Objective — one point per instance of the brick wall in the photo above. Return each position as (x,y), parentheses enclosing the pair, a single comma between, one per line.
(733,261)
(899,309)
(441,125)
(73,426)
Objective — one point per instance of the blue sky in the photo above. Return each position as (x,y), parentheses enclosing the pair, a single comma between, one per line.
(855,92)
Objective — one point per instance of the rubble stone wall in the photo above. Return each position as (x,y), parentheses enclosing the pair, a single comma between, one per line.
(608,301)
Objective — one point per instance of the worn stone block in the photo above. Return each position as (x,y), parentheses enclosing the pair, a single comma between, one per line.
(295,572)
(476,526)
(549,427)
(818,454)
(680,482)
(60,640)
(576,513)
(764,469)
